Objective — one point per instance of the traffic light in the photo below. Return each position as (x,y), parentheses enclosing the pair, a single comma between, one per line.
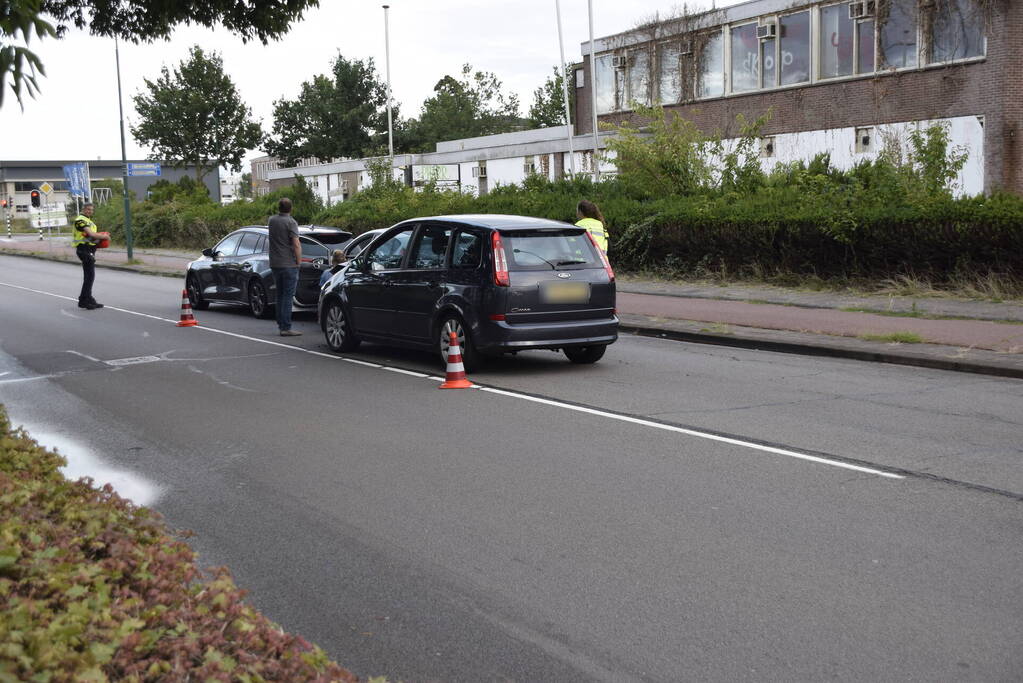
(3,203)
(35,198)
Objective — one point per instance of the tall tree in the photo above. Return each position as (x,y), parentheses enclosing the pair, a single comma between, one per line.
(548,108)
(340,115)
(195,116)
(468,107)
(132,20)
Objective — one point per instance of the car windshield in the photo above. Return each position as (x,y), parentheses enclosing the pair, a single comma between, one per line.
(547,249)
(331,237)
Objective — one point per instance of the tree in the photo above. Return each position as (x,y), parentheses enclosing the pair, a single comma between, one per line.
(196,116)
(131,20)
(465,108)
(548,107)
(245,186)
(340,115)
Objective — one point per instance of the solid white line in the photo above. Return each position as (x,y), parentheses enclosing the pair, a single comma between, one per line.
(86,357)
(691,432)
(526,397)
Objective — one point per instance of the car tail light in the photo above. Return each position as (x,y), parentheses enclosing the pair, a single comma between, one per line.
(501,278)
(603,258)
(497,317)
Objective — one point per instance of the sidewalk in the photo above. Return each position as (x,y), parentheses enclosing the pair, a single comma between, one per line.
(962,335)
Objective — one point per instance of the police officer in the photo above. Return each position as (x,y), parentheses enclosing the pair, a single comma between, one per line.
(85,237)
(590,218)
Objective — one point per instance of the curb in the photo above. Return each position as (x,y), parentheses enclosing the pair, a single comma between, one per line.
(109,266)
(823,350)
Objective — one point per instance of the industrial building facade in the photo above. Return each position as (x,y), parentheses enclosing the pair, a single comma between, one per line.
(835,76)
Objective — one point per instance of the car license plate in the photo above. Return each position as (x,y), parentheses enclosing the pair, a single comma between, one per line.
(565,292)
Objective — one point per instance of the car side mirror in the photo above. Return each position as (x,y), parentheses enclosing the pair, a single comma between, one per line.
(208,253)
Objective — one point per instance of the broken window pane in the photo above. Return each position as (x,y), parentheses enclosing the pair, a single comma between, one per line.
(957,30)
(795,48)
(745,58)
(712,66)
(836,41)
(898,34)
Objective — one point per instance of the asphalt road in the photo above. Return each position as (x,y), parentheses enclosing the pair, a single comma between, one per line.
(675,512)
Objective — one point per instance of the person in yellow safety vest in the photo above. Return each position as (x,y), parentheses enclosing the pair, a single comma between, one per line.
(590,218)
(84,237)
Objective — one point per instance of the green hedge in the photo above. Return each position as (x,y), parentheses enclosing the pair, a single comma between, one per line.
(93,588)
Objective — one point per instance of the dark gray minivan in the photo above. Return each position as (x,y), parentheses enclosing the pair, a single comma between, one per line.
(503,284)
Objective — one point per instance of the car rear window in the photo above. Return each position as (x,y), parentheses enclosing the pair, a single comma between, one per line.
(548,248)
(330,237)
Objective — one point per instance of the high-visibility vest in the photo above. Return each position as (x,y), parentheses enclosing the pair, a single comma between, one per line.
(595,228)
(78,236)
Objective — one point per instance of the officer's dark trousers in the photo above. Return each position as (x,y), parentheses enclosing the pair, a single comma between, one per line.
(87,255)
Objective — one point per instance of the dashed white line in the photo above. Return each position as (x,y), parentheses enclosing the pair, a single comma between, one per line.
(535,399)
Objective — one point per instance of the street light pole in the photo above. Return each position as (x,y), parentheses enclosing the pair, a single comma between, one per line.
(124,156)
(593,96)
(564,90)
(387,64)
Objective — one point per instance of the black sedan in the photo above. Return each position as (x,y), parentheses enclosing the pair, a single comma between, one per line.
(502,284)
(237,270)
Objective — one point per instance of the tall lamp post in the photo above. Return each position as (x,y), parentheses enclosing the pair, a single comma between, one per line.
(593,96)
(387,66)
(564,90)
(124,156)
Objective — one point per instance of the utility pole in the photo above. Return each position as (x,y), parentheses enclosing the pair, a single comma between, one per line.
(564,90)
(124,155)
(387,63)
(593,96)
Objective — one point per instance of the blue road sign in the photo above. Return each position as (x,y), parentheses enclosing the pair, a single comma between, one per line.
(139,169)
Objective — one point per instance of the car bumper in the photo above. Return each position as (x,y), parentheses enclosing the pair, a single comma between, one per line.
(500,336)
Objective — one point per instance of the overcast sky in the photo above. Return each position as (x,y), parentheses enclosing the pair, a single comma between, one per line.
(76,115)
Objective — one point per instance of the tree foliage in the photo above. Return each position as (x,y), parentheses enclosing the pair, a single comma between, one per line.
(132,20)
(195,116)
(548,108)
(471,106)
(340,115)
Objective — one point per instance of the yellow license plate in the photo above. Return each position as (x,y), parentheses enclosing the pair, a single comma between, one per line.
(565,292)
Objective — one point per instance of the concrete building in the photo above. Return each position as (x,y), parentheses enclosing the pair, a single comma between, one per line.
(262,167)
(19,178)
(838,77)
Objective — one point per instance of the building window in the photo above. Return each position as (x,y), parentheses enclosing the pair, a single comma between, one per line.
(767,146)
(864,140)
(768,70)
(604,81)
(795,48)
(836,41)
(638,76)
(897,40)
(865,47)
(745,58)
(957,30)
(669,66)
(580,78)
(712,66)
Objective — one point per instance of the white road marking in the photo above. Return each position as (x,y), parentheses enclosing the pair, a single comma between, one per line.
(133,361)
(511,394)
(86,357)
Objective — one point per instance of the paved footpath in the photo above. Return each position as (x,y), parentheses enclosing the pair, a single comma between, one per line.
(957,334)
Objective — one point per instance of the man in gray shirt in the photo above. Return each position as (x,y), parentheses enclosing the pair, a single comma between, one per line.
(285,259)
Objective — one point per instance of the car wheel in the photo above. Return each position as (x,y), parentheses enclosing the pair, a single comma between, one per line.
(471,358)
(337,330)
(258,303)
(585,354)
(195,299)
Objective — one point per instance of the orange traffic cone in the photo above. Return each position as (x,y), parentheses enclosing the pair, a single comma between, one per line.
(187,319)
(456,371)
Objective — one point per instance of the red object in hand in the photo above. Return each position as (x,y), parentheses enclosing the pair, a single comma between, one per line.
(104,240)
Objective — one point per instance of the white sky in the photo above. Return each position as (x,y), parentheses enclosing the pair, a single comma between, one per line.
(76,115)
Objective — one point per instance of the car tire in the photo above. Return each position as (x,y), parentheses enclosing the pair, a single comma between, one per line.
(472,360)
(337,329)
(584,355)
(258,302)
(195,299)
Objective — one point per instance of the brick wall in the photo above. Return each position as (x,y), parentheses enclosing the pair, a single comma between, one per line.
(992,88)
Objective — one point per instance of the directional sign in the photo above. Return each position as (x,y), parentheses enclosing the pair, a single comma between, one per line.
(46,188)
(139,169)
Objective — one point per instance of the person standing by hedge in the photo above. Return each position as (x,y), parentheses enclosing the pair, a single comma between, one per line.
(84,238)
(590,218)
(285,260)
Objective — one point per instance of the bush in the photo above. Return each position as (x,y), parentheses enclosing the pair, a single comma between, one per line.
(94,588)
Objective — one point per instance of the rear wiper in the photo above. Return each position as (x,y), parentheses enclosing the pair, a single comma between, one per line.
(572,262)
(522,251)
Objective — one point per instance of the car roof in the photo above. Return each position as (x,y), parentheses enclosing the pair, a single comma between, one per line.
(306,230)
(496,221)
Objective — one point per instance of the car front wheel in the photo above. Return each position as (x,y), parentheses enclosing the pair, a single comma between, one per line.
(584,355)
(337,330)
(258,303)
(195,299)
(471,358)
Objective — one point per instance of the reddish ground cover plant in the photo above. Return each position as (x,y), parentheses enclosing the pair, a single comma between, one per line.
(94,588)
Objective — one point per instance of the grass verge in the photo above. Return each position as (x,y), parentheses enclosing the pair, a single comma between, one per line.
(894,338)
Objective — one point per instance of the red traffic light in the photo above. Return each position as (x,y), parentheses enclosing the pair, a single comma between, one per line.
(35,198)
(3,203)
